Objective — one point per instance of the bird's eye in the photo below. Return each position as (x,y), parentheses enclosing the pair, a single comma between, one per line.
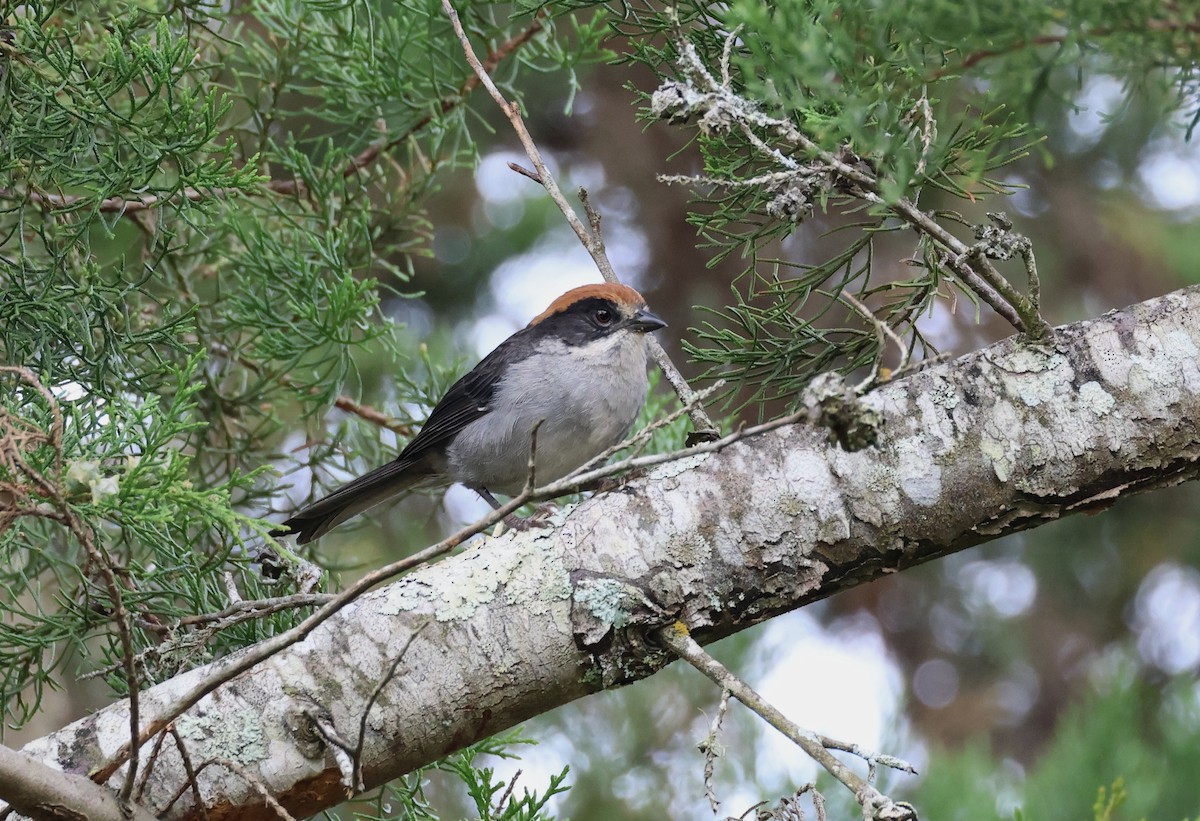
(603,316)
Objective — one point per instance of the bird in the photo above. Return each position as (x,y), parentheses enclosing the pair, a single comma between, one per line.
(578,371)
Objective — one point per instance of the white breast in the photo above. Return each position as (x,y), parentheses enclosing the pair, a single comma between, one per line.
(588,397)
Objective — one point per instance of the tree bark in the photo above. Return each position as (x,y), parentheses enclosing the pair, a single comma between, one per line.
(959,453)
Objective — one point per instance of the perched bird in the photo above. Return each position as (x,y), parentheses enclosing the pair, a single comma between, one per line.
(579,368)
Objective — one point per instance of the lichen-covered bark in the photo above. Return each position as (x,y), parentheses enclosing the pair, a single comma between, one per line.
(964,451)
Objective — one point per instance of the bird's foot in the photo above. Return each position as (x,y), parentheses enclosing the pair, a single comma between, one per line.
(538,519)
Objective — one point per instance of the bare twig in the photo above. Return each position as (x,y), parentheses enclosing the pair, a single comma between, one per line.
(508,791)
(370,414)
(976,57)
(875,804)
(150,762)
(726,53)
(592,240)
(245,775)
(525,172)
(256,608)
(883,332)
(190,772)
(362,724)
(342,402)
(922,112)
(711,748)
(118,205)
(231,588)
(818,804)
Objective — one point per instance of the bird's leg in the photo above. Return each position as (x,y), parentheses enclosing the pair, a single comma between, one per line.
(486,495)
(514,522)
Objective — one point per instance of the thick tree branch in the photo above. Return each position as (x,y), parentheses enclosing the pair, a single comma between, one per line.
(994,442)
(35,790)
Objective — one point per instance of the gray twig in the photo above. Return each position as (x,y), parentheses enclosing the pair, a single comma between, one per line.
(711,748)
(875,804)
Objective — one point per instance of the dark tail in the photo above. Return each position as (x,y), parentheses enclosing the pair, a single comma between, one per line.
(351,499)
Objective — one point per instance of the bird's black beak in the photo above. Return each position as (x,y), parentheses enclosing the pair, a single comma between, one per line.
(646,321)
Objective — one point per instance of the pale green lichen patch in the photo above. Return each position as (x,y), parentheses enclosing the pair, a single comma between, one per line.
(678,467)
(1095,398)
(532,575)
(236,734)
(405,596)
(1033,359)
(1163,369)
(537,578)
(1108,355)
(611,601)
(1002,428)
(1152,358)
(1039,388)
(877,501)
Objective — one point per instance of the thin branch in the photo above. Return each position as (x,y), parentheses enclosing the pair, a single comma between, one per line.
(245,775)
(875,804)
(149,768)
(508,791)
(119,205)
(592,241)
(256,608)
(448,104)
(190,772)
(883,332)
(712,750)
(372,415)
(342,402)
(357,778)
(98,558)
(976,57)
(525,172)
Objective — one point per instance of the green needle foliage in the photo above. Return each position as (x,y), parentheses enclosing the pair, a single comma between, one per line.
(201,207)
(488,797)
(846,112)
(204,207)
